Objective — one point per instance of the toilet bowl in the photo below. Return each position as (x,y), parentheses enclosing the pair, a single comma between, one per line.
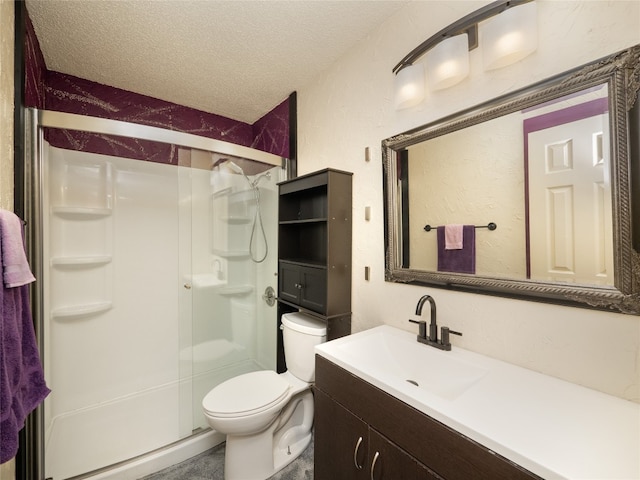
(266,416)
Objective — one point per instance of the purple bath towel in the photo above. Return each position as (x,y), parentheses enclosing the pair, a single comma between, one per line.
(458,261)
(22,384)
(15,269)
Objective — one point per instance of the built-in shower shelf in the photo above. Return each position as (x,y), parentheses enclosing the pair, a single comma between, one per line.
(236,194)
(81,212)
(236,220)
(236,290)
(86,261)
(81,310)
(237,254)
(222,192)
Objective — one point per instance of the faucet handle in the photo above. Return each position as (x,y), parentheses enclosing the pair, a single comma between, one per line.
(445,331)
(422,327)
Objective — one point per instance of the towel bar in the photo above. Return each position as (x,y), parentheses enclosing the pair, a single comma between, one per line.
(490,226)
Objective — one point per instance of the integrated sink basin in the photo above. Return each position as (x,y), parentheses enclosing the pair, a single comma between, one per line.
(553,428)
(401,360)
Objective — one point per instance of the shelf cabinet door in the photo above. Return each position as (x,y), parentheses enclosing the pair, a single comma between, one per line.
(304,286)
(341,442)
(289,279)
(313,283)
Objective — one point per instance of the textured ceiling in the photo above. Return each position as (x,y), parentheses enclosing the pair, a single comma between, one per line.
(236,58)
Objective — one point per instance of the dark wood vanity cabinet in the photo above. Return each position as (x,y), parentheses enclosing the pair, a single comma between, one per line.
(341,441)
(314,246)
(357,423)
(347,448)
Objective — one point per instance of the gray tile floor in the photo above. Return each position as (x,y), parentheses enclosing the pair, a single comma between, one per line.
(210,466)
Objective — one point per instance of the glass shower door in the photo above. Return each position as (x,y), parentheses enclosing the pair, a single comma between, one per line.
(231,222)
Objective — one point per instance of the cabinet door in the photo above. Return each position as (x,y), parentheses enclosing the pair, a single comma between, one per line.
(388,462)
(289,278)
(314,289)
(341,441)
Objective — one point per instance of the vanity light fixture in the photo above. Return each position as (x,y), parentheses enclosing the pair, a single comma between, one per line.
(510,34)
(448,62)
(409,86)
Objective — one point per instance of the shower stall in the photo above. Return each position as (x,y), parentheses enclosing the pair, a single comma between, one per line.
(153,266)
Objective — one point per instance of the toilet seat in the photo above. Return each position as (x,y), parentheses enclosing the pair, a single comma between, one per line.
(246,395)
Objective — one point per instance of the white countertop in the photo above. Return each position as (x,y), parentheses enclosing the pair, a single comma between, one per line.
(555,429)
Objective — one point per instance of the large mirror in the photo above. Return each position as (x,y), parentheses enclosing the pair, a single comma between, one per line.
(529,195)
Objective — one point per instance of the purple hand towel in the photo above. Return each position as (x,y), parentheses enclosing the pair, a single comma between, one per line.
(15,268)
(22,384)
(458,261)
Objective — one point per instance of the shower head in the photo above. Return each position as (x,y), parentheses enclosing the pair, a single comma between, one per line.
(235,167)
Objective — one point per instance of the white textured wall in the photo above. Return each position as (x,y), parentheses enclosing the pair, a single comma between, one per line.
(493,192)
(349,108)
(6,104)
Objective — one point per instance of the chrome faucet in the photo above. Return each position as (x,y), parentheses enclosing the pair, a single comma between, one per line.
(432,339)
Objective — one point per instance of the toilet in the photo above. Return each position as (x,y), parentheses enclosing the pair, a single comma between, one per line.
(266,416)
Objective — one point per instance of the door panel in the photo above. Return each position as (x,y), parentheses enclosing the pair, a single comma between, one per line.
(570,203)
(314,289)
(341,442)
(289,279)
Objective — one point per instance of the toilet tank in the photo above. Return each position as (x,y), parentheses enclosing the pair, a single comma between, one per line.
(302,332)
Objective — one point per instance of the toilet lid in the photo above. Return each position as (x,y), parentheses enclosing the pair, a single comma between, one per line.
(246,394)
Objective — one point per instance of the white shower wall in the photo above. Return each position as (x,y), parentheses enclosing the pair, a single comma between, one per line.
(135,331)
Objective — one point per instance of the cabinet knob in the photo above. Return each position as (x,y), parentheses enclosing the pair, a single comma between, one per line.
(298,286)
(355,454)
(373,464)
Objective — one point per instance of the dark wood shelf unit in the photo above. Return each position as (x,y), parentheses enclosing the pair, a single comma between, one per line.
(314,247)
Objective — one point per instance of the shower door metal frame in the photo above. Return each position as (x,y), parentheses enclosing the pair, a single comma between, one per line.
(36,120)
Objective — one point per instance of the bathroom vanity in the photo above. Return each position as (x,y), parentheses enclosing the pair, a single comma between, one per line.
(389,408)
(363,432)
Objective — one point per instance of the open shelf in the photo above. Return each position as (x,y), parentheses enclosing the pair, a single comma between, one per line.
(306,220)
(80,212)
(234,254)
(304,262)
(88,261)
(236,220)
(235,290)
(81,310)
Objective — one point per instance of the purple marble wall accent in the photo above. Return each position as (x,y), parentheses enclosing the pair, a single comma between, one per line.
(132,148)
(271,132)
(66,93)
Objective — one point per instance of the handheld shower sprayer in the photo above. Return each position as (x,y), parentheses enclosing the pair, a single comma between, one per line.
(257,218)
(237,169)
